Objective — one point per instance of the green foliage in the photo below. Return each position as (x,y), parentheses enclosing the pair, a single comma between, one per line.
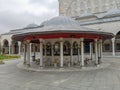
(4,57)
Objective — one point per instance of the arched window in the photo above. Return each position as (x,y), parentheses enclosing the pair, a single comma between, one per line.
(75,48)
(57,49)
(6,46)
(117,42)
(66,48)
(16,48)
(107,45)
(48,49)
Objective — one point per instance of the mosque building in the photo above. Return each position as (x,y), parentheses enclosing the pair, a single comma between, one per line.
(84,29)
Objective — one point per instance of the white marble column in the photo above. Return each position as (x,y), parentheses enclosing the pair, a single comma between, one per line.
(19,46)
(71,53)
(101,50)
(12,48)
(9,49)
(52,47)
(28,53)
(82,52)
(98,48)
(79,59)
(113,46)
(41,53)
(45,51)
(91,50)
(96,51)
(61,53)
(25,47)
(1,49)
(30,50)
(34,51)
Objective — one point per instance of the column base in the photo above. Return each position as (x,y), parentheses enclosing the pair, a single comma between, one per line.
(41,67)
(24,63)
(100,61)
(28,65)
(61,68)
(69,65)
(55,65)
(82,67)
(97,65)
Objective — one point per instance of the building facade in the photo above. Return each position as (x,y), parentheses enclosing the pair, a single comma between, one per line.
(103,15)
(62,42)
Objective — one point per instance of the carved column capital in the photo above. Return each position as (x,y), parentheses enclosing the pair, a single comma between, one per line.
(81,39)
(26,42)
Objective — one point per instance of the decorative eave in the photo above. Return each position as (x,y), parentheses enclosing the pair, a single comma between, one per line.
(64,34)
(61,27)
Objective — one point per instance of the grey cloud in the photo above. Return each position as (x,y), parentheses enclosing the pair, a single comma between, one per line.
(11,18)
(49,3)
(14,20)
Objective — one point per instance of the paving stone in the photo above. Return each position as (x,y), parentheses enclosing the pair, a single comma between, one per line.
(14,78)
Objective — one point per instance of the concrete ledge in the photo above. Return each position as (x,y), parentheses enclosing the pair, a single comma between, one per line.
(66,69)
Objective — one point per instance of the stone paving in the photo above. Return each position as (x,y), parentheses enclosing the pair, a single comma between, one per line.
(14,78)
(37,68)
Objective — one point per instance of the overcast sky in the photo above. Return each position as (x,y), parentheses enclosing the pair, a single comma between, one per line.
(15,14)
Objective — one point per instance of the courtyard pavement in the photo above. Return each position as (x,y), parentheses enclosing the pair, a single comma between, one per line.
(14,78)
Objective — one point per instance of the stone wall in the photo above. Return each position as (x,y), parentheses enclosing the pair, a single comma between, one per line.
(77,7)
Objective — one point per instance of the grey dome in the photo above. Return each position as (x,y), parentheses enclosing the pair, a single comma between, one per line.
(61,21)
(87,15)
(113,12)
(32,25)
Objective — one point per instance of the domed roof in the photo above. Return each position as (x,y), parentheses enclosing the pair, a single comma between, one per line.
(32,25)
(61,26)
(61,21)
(113,12)
(87,15)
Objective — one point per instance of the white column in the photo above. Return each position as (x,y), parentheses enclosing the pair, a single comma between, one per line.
(79,52)
(96,52)
(9,49)
(1,49)
(28,54)
(71,53)
(101,50)
(82,52)
(45,50)
(52,47)
(61,53)
(41,53)
(24,54)
(34,50)
(30,49)
(12,48)
(113,46)
(91,50)
(19,45)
